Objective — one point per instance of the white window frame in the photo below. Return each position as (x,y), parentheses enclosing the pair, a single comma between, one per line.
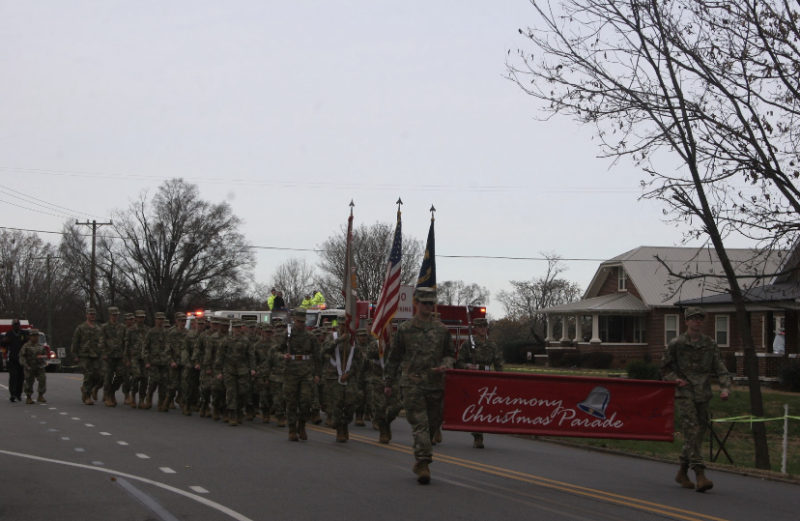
(622,279)
(667,329)
(727,330)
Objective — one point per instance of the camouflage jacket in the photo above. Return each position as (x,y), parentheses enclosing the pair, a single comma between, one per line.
(176,339)
(372,361)
(134,338)
(417,348)
(304,349)
(696,362)
(28,356)
(276,363)
(483,356)
(112,339)
(261,349)
(86,341)
(235,356)
(356,370)
(155,350)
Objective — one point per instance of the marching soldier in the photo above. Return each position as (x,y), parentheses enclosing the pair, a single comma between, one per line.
(384,408)
(262,380)
(344,390)
(215,386)
(480,354)
(190,376)
(130,320)
(235,364)
(112,344)
(134,341)
(276,367)
(86,346)
(157,361)
(176,345)
(301,373)
(422,349)
(32,358)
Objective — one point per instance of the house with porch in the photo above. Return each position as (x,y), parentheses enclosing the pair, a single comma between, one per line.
(633,306)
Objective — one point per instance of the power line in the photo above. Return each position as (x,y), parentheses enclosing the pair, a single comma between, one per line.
(39,202)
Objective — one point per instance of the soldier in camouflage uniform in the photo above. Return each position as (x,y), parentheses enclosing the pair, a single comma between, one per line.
(328,378)
(276,367)
(32,358)
(422,349)
(261,349)
(86,346)
(235,363)
(134,340)
(130,320)
(692,359)
(480,354)
(301,374)
(384,408)
(190,376)
(343,392)
(176,343)
(157,361)
(112,344)
(211,389)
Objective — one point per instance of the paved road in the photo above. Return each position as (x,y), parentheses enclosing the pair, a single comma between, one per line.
(70,461)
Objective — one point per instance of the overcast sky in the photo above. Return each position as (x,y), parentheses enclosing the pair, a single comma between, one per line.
(288,110)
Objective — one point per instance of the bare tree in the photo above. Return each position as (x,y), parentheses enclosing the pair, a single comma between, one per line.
(459,293)
(295,278)
(527,298)
(175,251)
(371,247)
(713,84)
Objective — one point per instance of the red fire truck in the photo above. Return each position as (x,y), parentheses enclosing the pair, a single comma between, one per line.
(456,318)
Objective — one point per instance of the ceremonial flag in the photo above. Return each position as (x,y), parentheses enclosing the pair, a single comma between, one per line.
(350,284)
(390,293)
(427,272)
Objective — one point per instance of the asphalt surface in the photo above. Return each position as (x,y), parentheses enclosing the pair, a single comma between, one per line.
(65,460)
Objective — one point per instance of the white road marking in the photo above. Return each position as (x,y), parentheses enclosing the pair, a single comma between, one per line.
(142,456)
(53,408)
(79,449)
(122,443)
(89,424)
(105,434)
(63,413)
(65,438)
(166,470)
(42,423)
(52,430)
(98,463)
(199,489)
(207,502)
(76,418)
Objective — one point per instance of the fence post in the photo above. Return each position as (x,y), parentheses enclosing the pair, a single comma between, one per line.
(785,436)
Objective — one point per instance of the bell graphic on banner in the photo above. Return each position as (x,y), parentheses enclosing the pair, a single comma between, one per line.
(596,403)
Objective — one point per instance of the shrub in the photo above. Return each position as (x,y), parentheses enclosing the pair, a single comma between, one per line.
(596,360)
(641,370)
(789,377)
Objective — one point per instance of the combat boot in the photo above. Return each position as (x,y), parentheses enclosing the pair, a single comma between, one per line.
(437,436)
(233,419)
(346,431)
(682,478)
(340,434)
(94,393)
(265,417)
(113,398)
(86,399)
(128,399)
(41,399)
(329,421)
(703,483)
(170,403)
(477,441)
(386,433)
(301,430)
(422,471)
(250,415)
(293,432)
(215,414)
(28,400)
(282,422)
(107,400)
(360,420)
(148,401)
(187,411)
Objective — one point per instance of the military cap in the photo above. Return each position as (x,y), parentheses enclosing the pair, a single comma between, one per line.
(480,322)
(113,310)
(91,311)
(267,328)
(425,294)
(129,316)
(280,325)
(161,315)
(237,323)
(694,311)
(180,315)
(299,312)
(140,313)
(361,331)
(33,332)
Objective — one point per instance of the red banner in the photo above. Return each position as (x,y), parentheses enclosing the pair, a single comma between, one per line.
(514,403)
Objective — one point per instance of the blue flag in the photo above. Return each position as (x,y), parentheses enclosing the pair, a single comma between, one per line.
(427,272)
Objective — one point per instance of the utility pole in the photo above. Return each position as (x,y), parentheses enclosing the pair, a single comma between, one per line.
(94,225)
(49,296)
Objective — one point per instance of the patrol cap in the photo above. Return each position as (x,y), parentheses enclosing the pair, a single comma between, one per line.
(299,312)
(91,311)
(694,311)
(480,322)
(279,325)
(266,328)
(361,331)
(129,316)
(140,313)
(33,332)
(113,310)
(179,315)
(425,295)
(160,315)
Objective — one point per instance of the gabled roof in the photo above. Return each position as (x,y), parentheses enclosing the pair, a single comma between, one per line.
(614,303)
(784,293)
(658,288)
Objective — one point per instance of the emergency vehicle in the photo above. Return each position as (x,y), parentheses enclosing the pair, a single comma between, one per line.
(52,359)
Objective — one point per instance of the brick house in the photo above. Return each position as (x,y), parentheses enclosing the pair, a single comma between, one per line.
(633,305)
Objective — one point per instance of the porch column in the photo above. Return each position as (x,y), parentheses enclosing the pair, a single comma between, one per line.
(578,329)
(564,328)
(595,329)
(549,337)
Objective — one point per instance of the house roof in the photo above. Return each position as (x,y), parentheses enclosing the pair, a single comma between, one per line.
(785,292)
(613,303)
(658,288)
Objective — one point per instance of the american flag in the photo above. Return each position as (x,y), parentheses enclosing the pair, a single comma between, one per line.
(390,293)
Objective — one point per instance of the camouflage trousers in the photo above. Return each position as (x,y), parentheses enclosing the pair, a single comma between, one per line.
(159,380)
(174,379)
(299,393)
(342,401)
(262,391)
(138,377)
(115,373)
(92,374)
(694,423)
(327,384)
(424,413)
(38,375)
(237,388)
(381,407)
(190,385)
(278,403)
